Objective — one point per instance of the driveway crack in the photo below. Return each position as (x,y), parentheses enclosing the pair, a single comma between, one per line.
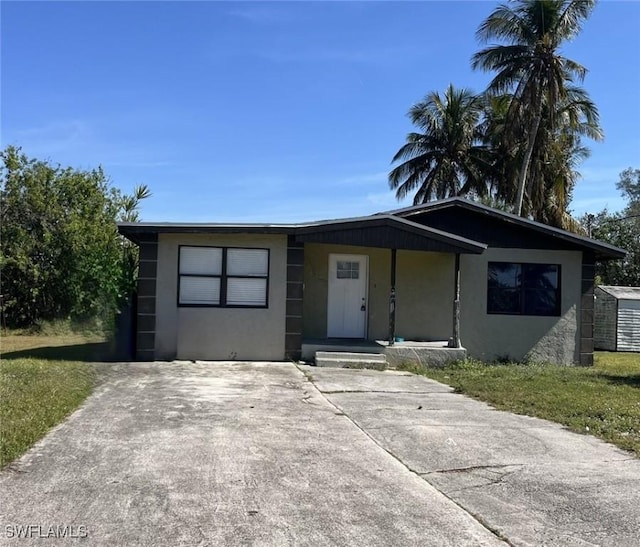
(397,392)
(473,468)
(499,470)
(476,517)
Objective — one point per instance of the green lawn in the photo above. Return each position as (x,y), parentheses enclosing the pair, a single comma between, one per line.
(42,380)
(603,400)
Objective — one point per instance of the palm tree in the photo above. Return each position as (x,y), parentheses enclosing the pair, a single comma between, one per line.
(502,147)
(560,150)
(446,158)
(530,68)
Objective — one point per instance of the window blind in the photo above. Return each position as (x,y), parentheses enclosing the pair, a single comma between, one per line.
(200,290)
(244,291)
(201,260)
(217,276)
(248,262)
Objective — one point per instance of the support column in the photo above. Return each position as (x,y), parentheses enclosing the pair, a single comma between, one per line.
(392,300)
(146,305)
(586,310)
(295,282)
(455,341)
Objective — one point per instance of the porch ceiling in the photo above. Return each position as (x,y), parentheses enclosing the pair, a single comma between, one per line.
(388,232)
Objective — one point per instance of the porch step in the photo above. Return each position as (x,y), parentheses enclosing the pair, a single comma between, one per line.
(343,359)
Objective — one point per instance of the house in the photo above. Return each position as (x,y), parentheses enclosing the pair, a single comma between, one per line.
(617,318)
(451,272)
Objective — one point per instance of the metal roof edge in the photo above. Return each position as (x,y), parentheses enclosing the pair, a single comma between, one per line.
(621,292)
(137,228)
(156,226)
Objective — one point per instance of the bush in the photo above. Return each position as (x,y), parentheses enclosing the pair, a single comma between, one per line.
(62,257)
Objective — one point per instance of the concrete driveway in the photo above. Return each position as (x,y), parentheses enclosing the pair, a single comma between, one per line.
(257,454)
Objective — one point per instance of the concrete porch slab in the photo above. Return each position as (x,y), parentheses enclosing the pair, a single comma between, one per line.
(428,354)
(311,346)
(344,359)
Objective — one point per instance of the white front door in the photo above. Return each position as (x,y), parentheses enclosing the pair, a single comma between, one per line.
(347,300)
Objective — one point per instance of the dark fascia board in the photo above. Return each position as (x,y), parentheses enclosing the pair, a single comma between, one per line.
(134,230)
(465,245)
(173,227)
(603,251)
(413,209)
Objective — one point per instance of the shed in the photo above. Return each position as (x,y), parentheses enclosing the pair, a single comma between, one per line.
(617,318)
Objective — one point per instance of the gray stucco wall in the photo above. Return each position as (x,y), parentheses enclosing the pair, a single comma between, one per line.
(220,333)
(424,292)
(424,304)
(488,337)
(424,295)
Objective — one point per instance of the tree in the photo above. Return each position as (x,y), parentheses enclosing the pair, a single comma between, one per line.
(61,254)
(560,150)
(622,230)
(501,151)
(537,78)
(129,211)
(446,158)
(629,186)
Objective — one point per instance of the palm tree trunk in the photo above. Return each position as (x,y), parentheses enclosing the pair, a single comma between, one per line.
(524,168)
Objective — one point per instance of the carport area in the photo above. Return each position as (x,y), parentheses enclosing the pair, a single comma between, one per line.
(271,454)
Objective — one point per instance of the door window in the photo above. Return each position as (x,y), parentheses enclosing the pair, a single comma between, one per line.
(348,270)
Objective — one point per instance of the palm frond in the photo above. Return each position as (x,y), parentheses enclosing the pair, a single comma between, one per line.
(571,18)
(504,23)
(536,138)
(432,161)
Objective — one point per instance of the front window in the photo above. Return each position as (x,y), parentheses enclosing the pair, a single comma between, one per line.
(223,277)
(523,289)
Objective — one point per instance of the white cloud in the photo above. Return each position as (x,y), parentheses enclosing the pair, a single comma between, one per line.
(263,15)
(379,178)
(277,207)
(52,137)
(140,164)
(386,55)
(594,205)
(599,174)
(387,200)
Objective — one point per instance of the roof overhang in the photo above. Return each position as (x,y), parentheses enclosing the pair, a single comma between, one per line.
(141,231)
(386,231)
(391,230)
(601,250)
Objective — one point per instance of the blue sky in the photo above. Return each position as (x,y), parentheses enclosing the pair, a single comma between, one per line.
(268,111)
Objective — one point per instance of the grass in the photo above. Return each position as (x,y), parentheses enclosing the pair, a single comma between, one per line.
(603,400)
(68,346)
(43,378)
